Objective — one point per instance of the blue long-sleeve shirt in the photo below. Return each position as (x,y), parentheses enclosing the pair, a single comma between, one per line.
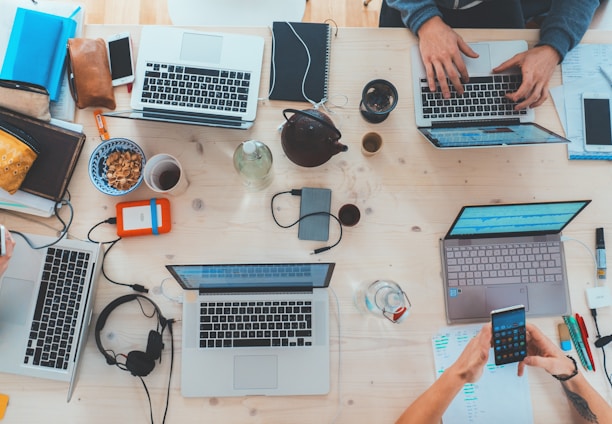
(562,28)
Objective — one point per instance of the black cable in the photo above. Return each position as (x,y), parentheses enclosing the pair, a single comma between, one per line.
(148,397)
(63,231)
(136,287)
(601,345)
(169,322)
(298,192)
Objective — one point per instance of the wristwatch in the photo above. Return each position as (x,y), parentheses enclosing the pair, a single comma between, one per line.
(565,377)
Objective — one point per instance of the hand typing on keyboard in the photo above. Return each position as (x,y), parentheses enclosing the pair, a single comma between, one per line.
(537,66)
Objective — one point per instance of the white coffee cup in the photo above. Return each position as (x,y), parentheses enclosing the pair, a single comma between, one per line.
(163,173)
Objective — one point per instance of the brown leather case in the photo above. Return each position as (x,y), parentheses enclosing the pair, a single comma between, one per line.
(89,73)
(59,152)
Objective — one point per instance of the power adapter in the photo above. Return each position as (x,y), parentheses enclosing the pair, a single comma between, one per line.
(598,297)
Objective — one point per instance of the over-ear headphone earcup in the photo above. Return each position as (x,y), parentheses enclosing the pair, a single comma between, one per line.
(154,345)
(139,363)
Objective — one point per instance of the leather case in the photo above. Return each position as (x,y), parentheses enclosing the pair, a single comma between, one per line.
(23,97)
(89,73)
(18,151)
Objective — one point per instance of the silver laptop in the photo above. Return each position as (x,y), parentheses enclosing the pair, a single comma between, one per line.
(193,77)
(499,255)
(255,329)
(46,299)
(481,116)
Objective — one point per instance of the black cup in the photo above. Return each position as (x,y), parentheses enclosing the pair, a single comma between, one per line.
(378,99)
(349,215)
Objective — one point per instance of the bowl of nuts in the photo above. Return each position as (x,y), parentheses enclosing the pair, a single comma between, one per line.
(115,166)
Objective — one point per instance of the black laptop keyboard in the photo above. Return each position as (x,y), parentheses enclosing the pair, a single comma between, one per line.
(197,88)
(482,97)
(255,324)
(56,322)
(504,264)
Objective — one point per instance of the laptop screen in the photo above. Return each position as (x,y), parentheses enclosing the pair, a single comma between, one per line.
(228,277)
(515,219)
(458,135)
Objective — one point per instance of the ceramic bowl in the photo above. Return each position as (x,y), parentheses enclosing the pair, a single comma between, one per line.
(98,168)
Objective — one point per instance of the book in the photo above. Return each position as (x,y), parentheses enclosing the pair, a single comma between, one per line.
(60,149)
(290,66)
(36,50)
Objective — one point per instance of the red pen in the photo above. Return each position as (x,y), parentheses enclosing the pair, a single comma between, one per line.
(585,338)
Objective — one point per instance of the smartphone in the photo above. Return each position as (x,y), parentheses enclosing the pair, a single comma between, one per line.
(509,341)
(120,56)
(597,122)
(2,240)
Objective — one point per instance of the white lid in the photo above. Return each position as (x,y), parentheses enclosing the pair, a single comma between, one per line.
(249,147)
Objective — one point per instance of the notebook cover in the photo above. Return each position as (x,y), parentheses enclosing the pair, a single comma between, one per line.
(59,151)
(36,50)
(290,61)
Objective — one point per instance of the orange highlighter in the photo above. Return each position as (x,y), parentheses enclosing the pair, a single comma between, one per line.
(585,338)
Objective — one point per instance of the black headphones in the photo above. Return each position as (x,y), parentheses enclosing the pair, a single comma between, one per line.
(137,362)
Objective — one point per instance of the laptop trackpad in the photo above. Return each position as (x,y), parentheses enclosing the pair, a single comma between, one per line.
(504,296)
(15,298)
(256,372)
(482,64)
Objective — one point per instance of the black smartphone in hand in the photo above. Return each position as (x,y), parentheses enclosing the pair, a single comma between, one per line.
(509,334)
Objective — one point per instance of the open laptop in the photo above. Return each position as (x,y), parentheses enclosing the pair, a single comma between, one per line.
(499,255)
(255,329)
(482,116)
(46,299)
(194,77)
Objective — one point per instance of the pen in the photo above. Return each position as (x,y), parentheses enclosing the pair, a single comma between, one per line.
(585,338)
(606,73)
(600,251)
(574,330)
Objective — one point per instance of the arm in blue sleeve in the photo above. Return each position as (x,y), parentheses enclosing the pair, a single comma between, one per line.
(566,23)
(415,12)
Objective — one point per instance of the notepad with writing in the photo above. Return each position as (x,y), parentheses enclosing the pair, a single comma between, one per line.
(36,50)
(290,66)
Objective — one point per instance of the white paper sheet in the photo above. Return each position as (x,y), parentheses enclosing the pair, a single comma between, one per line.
(499,397)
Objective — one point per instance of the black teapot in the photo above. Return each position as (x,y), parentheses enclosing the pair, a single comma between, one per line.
(310,138)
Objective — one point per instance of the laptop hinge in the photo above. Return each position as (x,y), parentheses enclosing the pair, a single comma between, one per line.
(260,290)
(488,123)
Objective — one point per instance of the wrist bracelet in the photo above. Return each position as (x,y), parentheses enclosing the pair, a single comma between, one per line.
(567,377)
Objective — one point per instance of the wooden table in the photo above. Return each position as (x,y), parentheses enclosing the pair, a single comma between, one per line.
(408,195)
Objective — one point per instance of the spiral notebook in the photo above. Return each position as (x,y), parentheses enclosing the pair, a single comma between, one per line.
(290,67)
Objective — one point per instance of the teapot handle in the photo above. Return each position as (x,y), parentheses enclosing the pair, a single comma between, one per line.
(316,118)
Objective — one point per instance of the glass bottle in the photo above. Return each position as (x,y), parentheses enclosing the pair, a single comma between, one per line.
(253,161)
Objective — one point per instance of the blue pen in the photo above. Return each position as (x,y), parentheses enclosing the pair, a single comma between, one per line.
(77,10)
(607,74)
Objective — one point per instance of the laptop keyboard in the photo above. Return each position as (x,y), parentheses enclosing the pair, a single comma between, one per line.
(57,308)
(504,264)
(255,324)
(482,97)
(196,88)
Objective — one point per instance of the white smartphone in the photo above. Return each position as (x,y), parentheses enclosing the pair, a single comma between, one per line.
(121,58)
(2,240)
(597,122)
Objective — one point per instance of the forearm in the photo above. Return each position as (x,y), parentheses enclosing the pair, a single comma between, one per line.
(566,23)
(415,12)
(587,405)
(430,406)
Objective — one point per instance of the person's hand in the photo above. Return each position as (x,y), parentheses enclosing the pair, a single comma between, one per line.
(10,245)
(543,353)
(537,66)
(470,364)
(441,49)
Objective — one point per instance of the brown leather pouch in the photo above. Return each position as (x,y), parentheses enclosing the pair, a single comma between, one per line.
(89,73)
(26,98)
(18,151)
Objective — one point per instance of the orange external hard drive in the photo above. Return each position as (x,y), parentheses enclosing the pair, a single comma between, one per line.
(143,217)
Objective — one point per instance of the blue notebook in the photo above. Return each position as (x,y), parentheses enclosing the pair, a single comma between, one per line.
(36,51)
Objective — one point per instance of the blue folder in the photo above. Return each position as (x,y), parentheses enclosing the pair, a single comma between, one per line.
(36,51)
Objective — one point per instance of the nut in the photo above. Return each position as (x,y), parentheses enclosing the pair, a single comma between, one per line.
(124,169)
